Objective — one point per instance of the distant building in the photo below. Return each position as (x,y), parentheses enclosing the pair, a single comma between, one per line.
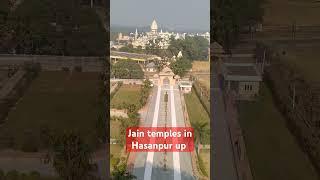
(160,39)
(154,27)
(151,67)
(242,78)
(122,37)
(185,86)
(179,55)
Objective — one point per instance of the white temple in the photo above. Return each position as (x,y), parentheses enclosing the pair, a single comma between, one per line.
(154,27)
(159,39)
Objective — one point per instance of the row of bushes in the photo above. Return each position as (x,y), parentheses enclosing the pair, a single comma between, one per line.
(302,117)
(15,175)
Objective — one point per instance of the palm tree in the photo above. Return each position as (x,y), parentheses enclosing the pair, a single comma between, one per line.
(200,131)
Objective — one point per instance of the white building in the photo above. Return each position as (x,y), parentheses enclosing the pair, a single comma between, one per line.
(159,39)
(151,67)
(185,86)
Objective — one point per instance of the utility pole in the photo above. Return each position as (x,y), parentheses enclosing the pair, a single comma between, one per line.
(294,95)
(263,60)
(91,4)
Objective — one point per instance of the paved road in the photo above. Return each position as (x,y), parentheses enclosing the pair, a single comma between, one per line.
(151,165)
(222,154)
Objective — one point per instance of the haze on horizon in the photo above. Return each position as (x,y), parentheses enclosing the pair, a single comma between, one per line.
(172,14)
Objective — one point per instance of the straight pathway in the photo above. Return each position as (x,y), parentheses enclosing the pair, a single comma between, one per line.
(161,165)
(222,155)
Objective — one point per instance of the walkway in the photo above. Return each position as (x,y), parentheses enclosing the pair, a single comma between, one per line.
(222,155)
(151,165)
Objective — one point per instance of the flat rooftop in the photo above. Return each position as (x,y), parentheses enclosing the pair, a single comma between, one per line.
(241,72)
(133,55)
(185,84)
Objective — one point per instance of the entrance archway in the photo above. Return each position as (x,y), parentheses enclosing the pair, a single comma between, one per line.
(166,81)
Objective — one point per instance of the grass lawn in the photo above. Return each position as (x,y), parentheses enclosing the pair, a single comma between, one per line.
(195,109)
(129,94)
(205,81)
(115,129)
(55,100)
(205,156)
(272,149)
(115,150)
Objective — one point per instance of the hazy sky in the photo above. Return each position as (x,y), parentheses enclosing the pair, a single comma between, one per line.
(178,14)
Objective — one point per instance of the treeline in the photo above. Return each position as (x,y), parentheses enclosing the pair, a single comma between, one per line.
(15,175)
(52,27)
(230,16)
(192,48)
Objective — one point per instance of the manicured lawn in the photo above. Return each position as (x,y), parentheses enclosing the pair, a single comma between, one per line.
(273,151)
(115,150)
(128,94)
(115,153)
(196,111)
(205,156)
(115,129)
(55,100)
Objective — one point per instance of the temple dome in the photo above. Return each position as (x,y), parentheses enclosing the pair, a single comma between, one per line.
(154,26)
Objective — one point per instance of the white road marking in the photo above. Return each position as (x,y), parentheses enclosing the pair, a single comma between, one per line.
(176,157)
(149,160)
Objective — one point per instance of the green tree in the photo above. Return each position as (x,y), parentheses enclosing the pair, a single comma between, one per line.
(193,48)
(200,131)
(120,173)
(181,66)
(12,175)
(71,157)
(114,161)
(229,16)
(54,27)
